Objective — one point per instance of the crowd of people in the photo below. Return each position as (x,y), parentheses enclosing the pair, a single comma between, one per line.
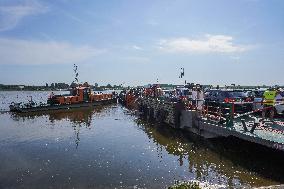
(194,97)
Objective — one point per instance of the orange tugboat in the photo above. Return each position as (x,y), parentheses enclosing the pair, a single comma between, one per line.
(80,96)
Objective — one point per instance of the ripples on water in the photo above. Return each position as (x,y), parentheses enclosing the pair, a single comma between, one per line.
(108,147)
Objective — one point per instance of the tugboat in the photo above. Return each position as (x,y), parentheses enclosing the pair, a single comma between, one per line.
(80,96)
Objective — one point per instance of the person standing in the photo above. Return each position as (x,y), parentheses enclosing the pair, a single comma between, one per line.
(269,102)
(200,98)
(194,97)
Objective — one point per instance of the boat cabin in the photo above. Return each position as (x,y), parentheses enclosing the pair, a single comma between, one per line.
(78,95)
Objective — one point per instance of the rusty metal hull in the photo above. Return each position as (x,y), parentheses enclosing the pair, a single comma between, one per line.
(61,107)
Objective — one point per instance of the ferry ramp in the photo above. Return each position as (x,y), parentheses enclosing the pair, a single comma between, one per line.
(266,132)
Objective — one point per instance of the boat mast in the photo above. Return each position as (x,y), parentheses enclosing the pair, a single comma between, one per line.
(182,74)
(76,74)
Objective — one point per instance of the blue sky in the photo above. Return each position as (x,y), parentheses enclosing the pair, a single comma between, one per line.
(134,42)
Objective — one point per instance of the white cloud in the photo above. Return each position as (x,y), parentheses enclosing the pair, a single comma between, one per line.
(210,43)
(14,51)
(11,15)
(137,47)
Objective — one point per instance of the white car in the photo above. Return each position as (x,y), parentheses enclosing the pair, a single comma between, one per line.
(258,98)
(280,109)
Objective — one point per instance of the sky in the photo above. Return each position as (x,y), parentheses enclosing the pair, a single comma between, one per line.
(134,42)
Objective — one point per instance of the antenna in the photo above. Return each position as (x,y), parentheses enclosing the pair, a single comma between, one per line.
(182,74)
(76,73)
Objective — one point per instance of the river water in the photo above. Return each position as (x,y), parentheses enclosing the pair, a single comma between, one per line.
(109,147)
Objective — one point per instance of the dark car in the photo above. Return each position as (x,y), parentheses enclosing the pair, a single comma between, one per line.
(241,99)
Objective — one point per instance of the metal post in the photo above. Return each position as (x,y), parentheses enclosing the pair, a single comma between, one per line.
(230,117)
(244,125)
(255,124)
(253,127)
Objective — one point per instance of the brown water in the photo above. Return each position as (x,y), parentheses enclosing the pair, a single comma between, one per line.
(108,147)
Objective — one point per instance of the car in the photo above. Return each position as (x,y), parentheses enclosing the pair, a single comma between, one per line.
(257,99)
(184,93)
(279,107)
(241,99)
(227,96)
(168,93)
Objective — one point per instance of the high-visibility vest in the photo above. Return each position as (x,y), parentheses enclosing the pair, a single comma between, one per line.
(269,97)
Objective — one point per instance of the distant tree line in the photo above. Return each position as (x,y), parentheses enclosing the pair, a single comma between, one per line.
(52,86)
(96,87)
(107,87)
(21,87)
(57,86)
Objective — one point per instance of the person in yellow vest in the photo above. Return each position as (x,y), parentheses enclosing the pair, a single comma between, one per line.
(269,102)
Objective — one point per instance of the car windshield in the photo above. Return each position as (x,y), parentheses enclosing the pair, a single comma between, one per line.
(235,94)
(259,94)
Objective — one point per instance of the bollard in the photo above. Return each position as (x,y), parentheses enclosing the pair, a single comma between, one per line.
(244,125)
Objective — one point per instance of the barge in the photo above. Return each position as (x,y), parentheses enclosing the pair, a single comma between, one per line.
(222,123)
(79,97)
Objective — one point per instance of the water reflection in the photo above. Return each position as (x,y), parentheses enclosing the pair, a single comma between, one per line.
(237,162)
(120,150)
(80,117)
